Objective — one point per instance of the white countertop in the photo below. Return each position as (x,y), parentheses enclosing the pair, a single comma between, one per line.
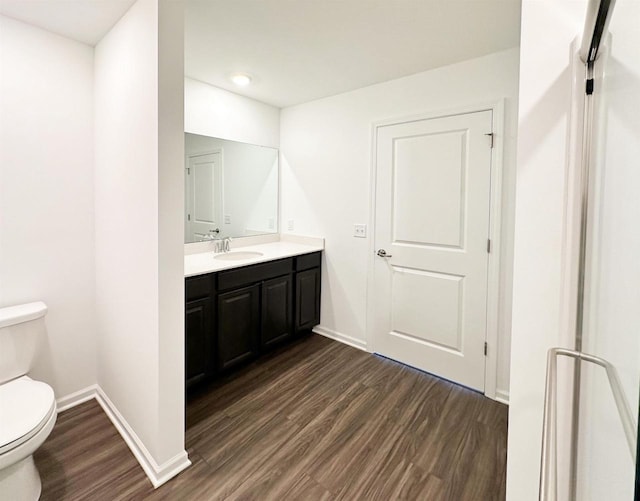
(205,262)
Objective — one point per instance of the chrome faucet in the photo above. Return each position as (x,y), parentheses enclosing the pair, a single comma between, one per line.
(222,245)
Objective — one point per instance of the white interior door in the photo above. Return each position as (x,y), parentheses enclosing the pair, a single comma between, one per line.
(204,180)
(432,220)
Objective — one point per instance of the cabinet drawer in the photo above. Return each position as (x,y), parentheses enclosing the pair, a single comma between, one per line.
(199,287)
(251,274)
(307,261)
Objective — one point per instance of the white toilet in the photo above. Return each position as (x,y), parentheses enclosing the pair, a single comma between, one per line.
(27,407)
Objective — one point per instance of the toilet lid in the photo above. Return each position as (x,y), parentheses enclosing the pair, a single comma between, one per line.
(25,406)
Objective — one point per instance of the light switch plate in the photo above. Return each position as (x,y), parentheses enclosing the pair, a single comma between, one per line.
(360,230)
(290,225)
(227,219)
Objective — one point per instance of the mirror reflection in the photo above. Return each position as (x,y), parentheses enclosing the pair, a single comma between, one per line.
(231,189)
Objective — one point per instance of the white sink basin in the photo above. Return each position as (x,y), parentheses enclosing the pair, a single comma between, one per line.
(238,255)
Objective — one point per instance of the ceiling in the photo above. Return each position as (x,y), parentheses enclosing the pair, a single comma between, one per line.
(86,21)
(301,50)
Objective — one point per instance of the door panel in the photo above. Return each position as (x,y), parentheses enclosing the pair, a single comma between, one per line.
(203,211)
(429,175)
(432,219)
(420,299)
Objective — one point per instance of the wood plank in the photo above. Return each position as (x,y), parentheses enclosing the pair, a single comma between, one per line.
(319,437)
(305,487)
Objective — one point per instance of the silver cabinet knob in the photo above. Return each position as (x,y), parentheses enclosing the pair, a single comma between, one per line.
(383,253)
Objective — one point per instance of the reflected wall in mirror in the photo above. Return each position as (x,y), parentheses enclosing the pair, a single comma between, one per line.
(231,189)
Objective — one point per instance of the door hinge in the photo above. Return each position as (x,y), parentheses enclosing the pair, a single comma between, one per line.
(589,86)
(485,348)
(488,245)
(188,217)
(490,134)
(188,171)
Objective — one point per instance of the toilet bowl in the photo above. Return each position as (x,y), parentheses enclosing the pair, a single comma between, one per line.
(27,407)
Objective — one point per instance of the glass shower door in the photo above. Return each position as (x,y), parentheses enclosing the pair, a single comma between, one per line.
(606,461)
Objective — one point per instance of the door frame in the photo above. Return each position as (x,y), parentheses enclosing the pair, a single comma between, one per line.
(492,336)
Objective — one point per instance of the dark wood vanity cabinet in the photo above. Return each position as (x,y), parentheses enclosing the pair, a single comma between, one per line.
(238,324)
(307,299)
(277,311)
(233,316)
(307,314)
(198,337)
(200,350)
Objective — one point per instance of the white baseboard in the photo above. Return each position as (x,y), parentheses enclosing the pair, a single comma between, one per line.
(343,338)
(76,398)
(157,474)
(502,396)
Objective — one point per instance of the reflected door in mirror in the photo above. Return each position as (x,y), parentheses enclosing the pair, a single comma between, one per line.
(231,188)
(204,182)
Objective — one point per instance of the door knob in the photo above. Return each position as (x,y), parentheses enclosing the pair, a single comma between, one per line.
(383,253)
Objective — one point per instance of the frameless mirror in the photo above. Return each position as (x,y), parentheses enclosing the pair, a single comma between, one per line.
(231,189)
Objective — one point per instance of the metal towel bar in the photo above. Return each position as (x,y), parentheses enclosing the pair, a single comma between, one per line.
(548,466)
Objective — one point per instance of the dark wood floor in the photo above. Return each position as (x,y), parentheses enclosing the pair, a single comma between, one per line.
(316,420)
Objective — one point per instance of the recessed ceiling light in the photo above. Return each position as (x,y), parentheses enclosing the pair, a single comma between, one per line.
(241,79)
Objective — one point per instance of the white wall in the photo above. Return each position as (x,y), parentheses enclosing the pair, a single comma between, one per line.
(46,194)
(211,111)
(326,165)
(126,179)
(540,267)
(138,206)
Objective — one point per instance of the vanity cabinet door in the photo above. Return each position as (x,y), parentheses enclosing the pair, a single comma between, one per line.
(307,299)
(238,326)
(199,357)
(277,310)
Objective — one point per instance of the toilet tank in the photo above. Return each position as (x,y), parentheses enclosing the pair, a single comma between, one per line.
(21,334)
